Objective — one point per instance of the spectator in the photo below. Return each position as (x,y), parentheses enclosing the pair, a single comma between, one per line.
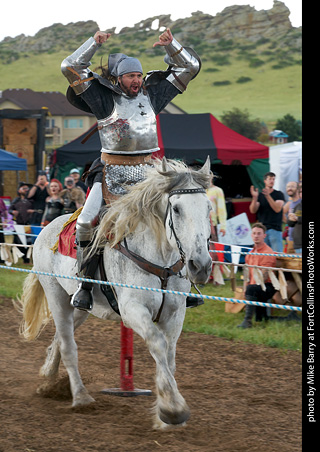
(218,214)
(22,209)
(75,173)
(54,204)
(292,189)
(253,289)
(72,196)
(39,193)
(295,222)
(3,219)
(268,206)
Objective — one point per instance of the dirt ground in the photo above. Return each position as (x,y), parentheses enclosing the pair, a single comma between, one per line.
(242,397)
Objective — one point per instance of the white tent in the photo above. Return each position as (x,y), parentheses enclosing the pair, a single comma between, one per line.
(286,162)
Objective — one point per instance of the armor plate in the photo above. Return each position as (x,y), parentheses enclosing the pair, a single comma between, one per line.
(131,128)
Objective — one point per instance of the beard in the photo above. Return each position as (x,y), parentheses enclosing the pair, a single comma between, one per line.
(129,91)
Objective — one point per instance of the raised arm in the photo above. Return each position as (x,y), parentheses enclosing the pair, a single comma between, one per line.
(76,66)
(185,66)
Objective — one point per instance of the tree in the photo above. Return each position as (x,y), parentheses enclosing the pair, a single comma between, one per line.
(239,121)
(289,125)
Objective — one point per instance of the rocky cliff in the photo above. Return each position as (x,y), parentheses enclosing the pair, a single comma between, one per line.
(235,23)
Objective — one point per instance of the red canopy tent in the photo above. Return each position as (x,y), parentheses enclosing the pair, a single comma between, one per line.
(193,137)
(190,138)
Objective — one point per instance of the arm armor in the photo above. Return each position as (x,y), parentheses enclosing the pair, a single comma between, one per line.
(185,64)
(75,67)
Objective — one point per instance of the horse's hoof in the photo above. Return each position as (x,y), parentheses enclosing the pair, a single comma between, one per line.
(174,418)
(82,400)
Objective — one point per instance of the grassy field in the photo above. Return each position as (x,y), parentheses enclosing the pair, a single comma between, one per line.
(209,318)
(269,95)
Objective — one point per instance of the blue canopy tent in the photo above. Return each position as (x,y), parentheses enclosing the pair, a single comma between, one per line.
(9,161)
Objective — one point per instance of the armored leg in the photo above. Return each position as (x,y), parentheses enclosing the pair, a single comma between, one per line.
(82,298)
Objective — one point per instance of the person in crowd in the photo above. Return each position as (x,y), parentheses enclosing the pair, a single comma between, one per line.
(295,222)
(72,197)
(253,289)
(3,218)
(218,214)
(54,204)
(21,209)
(292,189)
(75,173)
(125,106)
(268,205)
(38,193)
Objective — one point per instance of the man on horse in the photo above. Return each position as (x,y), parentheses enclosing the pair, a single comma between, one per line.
(125,106)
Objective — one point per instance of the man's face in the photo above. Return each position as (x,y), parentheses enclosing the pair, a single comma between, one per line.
(131,83)
(23,190)
(291,188)
(269,181)
(42,180)
(69,182)
(75,176)
(258,235)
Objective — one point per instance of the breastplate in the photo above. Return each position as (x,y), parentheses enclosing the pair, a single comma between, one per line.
(131,128)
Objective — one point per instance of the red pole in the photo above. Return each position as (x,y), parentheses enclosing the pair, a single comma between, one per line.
(126,368)
(126,359)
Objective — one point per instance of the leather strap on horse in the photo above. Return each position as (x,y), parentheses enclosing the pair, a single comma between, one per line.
(161,272)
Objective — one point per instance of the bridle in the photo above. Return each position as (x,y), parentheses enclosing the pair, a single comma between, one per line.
(181,191)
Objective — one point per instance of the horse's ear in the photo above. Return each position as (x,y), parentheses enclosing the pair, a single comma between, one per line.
(206,167)
(165,167)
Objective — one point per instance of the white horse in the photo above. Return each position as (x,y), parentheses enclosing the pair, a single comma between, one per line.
(164,219)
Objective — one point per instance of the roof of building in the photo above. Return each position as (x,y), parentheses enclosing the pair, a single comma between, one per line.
(56,102)
(278,134)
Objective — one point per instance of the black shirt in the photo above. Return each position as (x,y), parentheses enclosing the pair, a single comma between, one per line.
(266,215)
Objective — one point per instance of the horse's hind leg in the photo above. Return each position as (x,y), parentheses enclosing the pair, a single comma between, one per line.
(50,368)
(63,315)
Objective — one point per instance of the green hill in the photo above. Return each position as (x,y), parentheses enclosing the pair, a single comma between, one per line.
(262,75)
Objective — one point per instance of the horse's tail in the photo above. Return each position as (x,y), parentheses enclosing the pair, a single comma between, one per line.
(34,307)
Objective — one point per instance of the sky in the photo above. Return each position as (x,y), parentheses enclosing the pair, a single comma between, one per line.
(28,17)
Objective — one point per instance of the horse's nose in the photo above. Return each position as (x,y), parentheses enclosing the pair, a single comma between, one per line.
(199,270)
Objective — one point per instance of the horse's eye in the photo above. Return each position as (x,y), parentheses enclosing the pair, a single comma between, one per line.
(175,209)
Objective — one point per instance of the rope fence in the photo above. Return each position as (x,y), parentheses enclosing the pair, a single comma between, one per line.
(15,254)
(173,292)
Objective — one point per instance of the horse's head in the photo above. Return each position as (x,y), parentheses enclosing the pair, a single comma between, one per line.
(188,224)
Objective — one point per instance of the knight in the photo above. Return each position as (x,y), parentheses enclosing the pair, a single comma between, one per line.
(125,105)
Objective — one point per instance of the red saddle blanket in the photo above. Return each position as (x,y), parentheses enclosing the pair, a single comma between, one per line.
(66,243)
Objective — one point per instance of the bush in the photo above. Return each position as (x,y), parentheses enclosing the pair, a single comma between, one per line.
(255,62)
(244,79)
(222,83)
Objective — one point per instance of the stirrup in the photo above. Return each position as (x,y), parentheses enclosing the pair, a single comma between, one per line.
(193,302)
(82,299)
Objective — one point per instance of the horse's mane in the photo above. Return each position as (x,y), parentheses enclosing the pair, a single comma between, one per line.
(143,204)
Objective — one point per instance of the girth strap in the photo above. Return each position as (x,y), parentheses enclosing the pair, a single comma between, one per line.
(162,272)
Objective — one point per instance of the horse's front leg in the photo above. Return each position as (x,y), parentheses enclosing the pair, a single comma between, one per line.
(171,407)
